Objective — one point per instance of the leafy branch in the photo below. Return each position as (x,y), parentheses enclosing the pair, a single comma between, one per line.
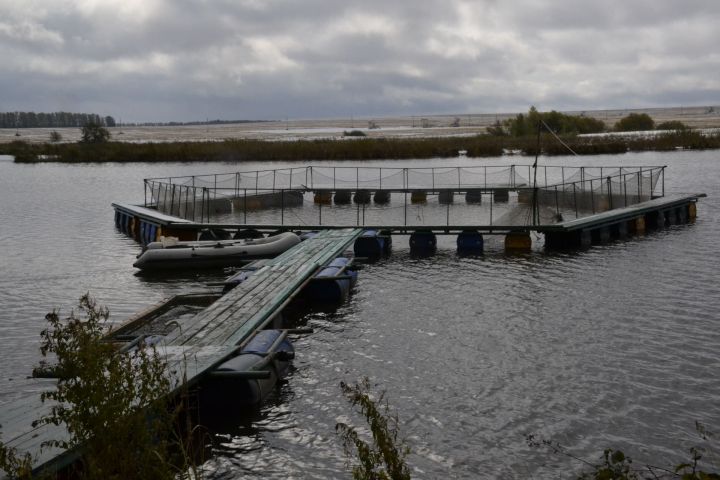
(384,459)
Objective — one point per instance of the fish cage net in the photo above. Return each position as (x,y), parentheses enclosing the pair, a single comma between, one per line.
(557,191)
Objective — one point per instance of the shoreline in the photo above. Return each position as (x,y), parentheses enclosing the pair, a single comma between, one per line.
(362,148)
(390,127)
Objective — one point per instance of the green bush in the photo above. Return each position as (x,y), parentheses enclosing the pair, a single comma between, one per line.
(113,404)
(635,122)
(560,123)
(672,125)
(93,132)
(354,133)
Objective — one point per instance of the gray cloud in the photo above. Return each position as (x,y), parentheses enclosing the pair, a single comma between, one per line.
(144,60)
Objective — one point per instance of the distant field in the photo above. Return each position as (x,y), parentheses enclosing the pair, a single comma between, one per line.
(387,127)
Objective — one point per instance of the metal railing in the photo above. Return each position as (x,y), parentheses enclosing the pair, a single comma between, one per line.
(566,190)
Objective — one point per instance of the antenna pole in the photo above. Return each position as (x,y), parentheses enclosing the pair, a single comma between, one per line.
(535,206)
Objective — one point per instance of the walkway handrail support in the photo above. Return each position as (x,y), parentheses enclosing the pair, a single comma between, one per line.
(663,180)
(449,180)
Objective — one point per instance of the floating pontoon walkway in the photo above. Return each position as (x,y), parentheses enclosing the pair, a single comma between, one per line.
(199,343)
(597,227)
(231,320)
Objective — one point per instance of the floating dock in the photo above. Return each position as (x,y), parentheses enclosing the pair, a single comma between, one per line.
(198,344)
(594,228)
(570,206)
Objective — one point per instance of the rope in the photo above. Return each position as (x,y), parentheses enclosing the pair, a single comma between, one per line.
(558,138)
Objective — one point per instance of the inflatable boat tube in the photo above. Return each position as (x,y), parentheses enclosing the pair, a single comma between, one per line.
(166,254)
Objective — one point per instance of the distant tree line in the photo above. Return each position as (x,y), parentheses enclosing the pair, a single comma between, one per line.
(527,124)
(52,120)
(195,122)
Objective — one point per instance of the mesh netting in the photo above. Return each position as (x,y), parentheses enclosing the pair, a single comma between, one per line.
(560,192)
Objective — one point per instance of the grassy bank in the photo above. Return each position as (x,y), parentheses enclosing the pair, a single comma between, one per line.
(356,149)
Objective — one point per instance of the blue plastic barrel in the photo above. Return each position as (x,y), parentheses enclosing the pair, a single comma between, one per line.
(470,242)
(371,245)
(423,242)
(329,291)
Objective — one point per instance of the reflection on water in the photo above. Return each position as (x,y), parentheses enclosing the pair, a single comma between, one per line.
(611,346)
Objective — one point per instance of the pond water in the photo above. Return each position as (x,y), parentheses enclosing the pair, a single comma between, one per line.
(614,346)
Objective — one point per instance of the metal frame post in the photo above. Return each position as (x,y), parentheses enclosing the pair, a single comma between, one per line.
(575,200)
(624,182)
(662,172)
(405,220)
(164,199)
(448,211)
(652,189)
(557,202)
(492,198)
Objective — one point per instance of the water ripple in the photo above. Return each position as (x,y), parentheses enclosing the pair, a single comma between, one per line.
(613,346)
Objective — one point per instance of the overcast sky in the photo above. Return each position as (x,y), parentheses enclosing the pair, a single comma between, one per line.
(163,60)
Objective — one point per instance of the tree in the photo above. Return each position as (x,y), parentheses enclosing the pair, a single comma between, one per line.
(497,129)
(635,122)
(559,123)
(673,125)
(93,132)
(55,136)
(113,403)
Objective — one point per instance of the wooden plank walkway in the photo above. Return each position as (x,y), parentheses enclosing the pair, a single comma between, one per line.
(201,342)
(149,214)
(616,215)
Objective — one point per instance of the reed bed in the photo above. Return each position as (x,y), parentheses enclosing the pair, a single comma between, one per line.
(235,150)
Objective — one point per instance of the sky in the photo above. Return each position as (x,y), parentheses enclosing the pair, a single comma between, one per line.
(184,60)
